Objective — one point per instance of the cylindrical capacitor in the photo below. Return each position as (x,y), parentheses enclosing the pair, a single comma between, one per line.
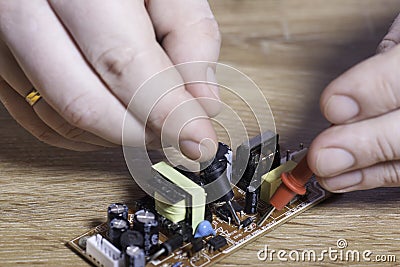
(146,223)
(134,257)
(117,210)
(252,195)
(217,172)
(131,238)
(115,229)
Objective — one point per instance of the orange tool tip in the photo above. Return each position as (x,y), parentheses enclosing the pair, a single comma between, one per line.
(293,183)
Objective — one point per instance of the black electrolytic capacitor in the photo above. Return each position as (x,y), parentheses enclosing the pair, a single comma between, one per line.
(117,210)
(134,257)
(146,223)
(252,195)
(115,229)
(131,238)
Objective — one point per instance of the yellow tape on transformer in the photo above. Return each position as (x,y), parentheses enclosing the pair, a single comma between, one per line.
(197,192)
(272,180)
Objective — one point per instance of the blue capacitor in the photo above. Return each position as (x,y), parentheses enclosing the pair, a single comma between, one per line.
(204,229)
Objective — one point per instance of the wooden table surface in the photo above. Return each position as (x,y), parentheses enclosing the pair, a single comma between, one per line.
(291,49)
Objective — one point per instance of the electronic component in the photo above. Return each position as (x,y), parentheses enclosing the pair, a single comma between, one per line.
(131,238)
(134,257)
(272,180)
(239,236)
(204,229)
(216,173)
(197,244)
(103,252)
(117,210)
(254,158)
(197,195)
(216,243)
(174,212)
(267,213)
(293,183)
(145,222)
(208,213)
(223,213)
(297,156)
(246,222)
(176,244)
(169,191)
(191,175)
(252,195)
(116,227)
(168,247)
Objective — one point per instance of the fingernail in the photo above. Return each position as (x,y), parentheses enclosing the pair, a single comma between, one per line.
(386,45)
(212,79)
(340,183)
(340,108)
(333,160)
(202,151)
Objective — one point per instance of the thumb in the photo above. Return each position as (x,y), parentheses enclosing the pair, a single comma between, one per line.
(381,175)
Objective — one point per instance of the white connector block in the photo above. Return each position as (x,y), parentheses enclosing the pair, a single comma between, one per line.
(103,252)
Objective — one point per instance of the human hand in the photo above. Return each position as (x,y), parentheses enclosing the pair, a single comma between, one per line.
(88,58)
(362,149)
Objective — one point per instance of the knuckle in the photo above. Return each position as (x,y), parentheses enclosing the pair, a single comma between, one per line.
(389,91)
(385,150)
(391,174)
(211,28)
(46,136)
(68,131)
(81,115)
(114,62)
(156,120)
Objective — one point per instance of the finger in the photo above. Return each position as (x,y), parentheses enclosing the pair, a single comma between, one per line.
(343,148)
(189,32)
(367,90)
(21,111)
(14,76)
(392,38)
(119,50)
(54,64)
(380,175)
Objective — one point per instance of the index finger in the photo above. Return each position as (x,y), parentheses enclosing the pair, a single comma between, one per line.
(118,40)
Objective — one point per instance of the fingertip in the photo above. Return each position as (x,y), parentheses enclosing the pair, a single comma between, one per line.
(312,156)
(340,109)
(198,140)
(342,183)
(199,151)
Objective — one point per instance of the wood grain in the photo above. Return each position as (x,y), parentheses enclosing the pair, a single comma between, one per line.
(291,49)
